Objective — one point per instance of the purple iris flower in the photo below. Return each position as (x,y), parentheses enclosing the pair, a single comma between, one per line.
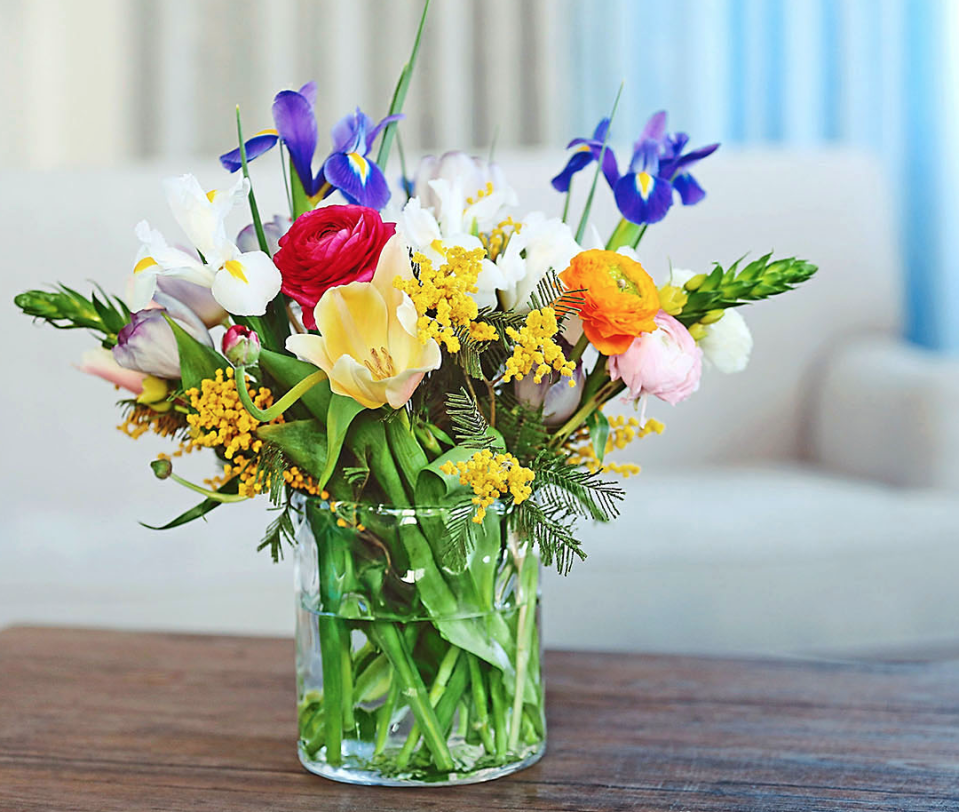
(644,194)
(678,165)
(587,150)
(347,168)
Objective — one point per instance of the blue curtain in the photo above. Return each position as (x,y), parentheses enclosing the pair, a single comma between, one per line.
(882,75)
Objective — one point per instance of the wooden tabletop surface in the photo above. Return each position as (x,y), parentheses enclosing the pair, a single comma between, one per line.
(104,721)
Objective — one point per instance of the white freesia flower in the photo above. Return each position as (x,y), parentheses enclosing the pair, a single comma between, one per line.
(243,282)
(728,343)
(540,244)
(479,187)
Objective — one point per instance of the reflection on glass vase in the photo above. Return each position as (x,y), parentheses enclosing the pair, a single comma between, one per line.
(410,671)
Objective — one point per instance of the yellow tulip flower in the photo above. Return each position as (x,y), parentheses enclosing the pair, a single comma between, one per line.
(368,343)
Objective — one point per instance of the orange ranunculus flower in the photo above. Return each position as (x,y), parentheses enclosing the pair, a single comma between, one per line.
(620,299)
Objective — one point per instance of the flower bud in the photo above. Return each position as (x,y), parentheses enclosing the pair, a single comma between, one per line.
(162,467)
(241,345)
(695,282)
(554,394)
(154,394)
(712,316)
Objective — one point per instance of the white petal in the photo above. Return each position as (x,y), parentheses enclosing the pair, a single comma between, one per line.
(248,291)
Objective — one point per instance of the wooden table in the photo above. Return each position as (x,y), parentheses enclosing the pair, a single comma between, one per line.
(103,721)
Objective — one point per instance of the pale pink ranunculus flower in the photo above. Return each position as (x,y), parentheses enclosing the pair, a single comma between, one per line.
(665,363)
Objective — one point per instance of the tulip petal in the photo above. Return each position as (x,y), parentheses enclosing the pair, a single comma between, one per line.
(352,318)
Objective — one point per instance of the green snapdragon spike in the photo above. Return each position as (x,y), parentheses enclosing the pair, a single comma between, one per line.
(66,309)
(758,280)
(581,230)
(399,95)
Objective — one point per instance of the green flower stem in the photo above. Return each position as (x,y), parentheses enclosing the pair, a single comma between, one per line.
(579,349)
(393,645)
(313,733)
(216,496)
(384,716)
(581,230)
(254,209)
(480,703)
(524,627)
(346,666)
(446,706)
(569,194)
(373,681)
(436,691)
(626,233)
(463,727)
(284,403)
(499,714)
(329,631)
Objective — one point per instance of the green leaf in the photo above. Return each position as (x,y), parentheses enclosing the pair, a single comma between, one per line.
(198,362)
(301,201)
(581,230)
(302,441)
(197,511)
(399,95)
(338,419)
(288,372)
(598,427)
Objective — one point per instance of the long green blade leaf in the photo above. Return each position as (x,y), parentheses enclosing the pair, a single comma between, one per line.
(399,95)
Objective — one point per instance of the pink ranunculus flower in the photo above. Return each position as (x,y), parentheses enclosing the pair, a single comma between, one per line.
(665,363)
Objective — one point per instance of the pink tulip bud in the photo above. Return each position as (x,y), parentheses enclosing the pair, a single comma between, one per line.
(241,345)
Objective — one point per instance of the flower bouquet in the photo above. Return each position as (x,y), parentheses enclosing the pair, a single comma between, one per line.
(415,380)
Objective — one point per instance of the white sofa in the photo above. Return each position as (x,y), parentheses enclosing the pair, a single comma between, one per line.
(807,504)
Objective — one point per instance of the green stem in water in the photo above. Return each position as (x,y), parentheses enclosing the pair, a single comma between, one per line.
(436,691)
(463,727)
(393,645)
(329,632)
(524,626)
(284,403)
(480,703)
(384,716)
(499,714)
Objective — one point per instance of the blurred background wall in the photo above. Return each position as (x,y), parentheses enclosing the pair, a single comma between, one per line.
(808,504)
(100,82)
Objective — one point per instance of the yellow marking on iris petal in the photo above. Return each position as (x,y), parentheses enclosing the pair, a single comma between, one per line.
(235,268)
(211,194)
(360,165)
(643,183)
(267,131)
(582,148)
(143,264)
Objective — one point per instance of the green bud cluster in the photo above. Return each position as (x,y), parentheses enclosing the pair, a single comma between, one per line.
(711,293)
(66,309)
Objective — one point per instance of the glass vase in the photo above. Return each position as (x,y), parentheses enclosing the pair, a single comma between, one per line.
(415,666)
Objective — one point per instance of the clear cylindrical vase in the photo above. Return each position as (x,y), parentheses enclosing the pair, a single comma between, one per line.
(417,664)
